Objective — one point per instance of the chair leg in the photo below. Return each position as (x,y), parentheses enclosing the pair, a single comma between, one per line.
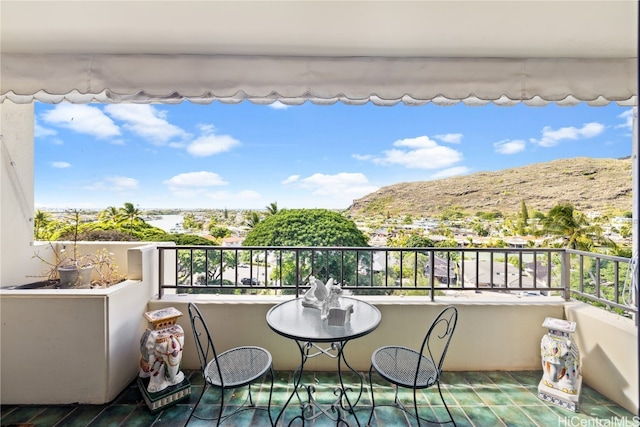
(193,411)
(415,406)
(251,404)
(221,406)
(270,394)
(373,403)
(445,405)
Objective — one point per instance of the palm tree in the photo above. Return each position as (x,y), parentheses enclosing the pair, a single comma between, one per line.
(272,208)
(111,214)
(40,220)
(253,219)
(131,213)
(572,227)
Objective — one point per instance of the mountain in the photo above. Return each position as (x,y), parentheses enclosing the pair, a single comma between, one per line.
(591,185)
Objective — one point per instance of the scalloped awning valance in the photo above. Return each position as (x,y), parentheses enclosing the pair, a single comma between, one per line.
(169,78)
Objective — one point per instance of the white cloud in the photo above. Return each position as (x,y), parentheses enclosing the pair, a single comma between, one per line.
(115,184)
(590,130)
(277,105)
(452,138)
(193,184)
(342,185)
(291,179)
(448,173)
(61,165)
(81,118)
(146,121)
(208,145)
(363,156)
(551,138)
(122,183)
(197,185)
(508,146)
(40,131)
(627,116)
(206,128)
(195,179)
(420,153)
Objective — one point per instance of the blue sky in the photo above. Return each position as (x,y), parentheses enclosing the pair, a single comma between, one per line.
(245,156)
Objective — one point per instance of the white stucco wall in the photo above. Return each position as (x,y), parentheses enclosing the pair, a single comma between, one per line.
(16,186)
(608,346)
(60,346)
(491,335)
(68,345)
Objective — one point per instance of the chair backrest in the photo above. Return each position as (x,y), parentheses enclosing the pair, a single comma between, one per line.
(438,336)
(204,343)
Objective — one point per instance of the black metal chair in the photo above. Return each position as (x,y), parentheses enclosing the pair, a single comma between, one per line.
(416,369)
(234,368)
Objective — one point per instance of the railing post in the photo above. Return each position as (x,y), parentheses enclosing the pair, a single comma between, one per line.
(297,273)
(432,274)
(565,279)
(160,269)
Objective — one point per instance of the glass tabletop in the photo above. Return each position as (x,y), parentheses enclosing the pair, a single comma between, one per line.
(292,320)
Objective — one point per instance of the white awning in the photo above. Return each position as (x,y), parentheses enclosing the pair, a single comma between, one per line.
(441,51)
(83,78)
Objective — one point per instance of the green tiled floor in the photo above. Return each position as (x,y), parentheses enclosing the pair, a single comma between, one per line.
(482,399)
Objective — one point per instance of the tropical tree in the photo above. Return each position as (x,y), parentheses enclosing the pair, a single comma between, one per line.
(219,232)
(410,240)
(131,214)
(571,226)
(190,222)
(522,222)
(306,227)
(272,208)
(40,221)
(110,215)
(253,219)
(311,227)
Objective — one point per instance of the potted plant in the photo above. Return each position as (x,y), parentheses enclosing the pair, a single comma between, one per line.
(74,270)
(70,269)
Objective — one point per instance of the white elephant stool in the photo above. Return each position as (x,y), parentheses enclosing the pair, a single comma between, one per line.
(160,379)
(561,380)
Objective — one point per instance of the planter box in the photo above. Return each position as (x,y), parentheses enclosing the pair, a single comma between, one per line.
(61,346)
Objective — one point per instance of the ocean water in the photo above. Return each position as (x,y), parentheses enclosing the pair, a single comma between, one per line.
(168,222)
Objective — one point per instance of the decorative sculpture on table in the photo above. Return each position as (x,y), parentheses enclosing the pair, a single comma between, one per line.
(317,293)
(561,380)
(326,297)
(161,347)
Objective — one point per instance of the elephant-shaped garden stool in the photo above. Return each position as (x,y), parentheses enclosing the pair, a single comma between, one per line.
(161,348)
(561,379)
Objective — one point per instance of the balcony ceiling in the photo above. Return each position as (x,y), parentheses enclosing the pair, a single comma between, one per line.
(475,28)
(427,35)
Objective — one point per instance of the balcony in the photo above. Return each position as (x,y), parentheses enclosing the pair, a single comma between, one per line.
(480,398)
(93,335)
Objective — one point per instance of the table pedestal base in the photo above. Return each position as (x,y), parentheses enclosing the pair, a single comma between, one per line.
(335,411)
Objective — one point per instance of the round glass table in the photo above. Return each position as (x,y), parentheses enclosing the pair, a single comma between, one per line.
(305,326)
